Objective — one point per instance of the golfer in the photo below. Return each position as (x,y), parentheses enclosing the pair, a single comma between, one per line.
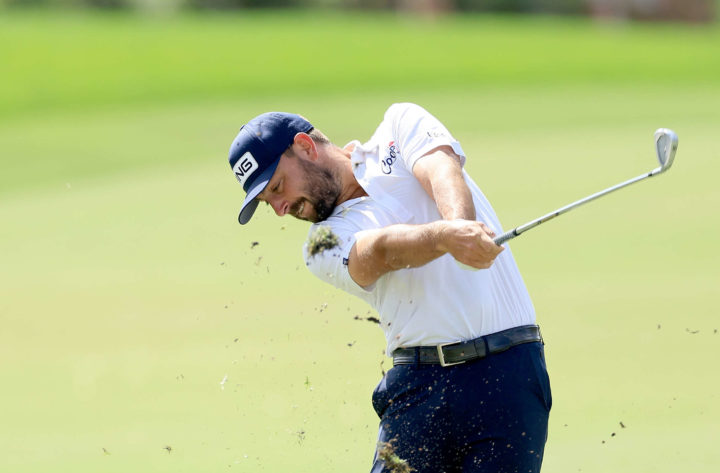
(469,390)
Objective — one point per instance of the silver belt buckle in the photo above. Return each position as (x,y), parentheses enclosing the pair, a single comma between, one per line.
(441,355)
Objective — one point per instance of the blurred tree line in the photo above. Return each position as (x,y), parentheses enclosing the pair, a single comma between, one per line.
(687,10)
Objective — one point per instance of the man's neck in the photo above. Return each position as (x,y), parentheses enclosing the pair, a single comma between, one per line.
(351,188)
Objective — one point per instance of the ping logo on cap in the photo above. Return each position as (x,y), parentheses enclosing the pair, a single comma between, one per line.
(244,167)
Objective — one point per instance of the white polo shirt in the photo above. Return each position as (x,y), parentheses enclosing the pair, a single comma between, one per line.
(439,302)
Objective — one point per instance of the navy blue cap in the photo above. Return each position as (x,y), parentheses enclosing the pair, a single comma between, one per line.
(256,150)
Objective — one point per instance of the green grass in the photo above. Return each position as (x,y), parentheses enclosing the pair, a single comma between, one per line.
(80,60)
(128,291)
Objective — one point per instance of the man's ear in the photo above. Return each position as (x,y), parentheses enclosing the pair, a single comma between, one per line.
(305,147)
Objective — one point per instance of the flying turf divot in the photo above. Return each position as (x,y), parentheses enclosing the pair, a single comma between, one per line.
(386,453)
(322,239)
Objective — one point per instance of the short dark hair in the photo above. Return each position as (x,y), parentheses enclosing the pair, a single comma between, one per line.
(318,138)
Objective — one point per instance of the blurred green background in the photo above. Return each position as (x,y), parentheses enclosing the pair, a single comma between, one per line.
(143,329)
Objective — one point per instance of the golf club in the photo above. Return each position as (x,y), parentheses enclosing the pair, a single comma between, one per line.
(666,143)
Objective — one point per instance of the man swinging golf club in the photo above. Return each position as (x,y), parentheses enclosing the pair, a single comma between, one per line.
(469,390)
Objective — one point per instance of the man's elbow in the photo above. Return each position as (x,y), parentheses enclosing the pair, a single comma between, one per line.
(366,265)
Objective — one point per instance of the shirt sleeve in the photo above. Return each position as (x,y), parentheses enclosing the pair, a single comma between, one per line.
(416,132)
(331,263)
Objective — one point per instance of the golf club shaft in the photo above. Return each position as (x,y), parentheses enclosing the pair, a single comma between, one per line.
(509,235)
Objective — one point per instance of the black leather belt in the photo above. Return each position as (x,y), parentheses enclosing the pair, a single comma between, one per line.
(454,353)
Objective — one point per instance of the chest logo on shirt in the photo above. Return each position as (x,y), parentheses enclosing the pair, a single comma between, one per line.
(392,154)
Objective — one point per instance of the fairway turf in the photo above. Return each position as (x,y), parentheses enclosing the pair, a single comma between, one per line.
(143,329)
(78,60)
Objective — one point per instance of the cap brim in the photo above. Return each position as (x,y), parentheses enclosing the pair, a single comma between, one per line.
(251,202)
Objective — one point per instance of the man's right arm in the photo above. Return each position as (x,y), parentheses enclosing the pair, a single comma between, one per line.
(379,251)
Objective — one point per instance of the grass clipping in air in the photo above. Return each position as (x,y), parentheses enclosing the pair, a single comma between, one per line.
(386,453)
(322,239)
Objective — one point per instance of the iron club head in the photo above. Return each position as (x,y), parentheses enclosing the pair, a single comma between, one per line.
(666,143)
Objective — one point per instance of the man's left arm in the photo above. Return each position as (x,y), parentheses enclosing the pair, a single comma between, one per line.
(439,171)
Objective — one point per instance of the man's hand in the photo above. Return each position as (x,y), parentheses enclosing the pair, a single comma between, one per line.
(469,242)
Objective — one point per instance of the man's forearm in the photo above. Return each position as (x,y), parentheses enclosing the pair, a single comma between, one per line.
(380,251)
(440,173)
(377,252)
(452,195)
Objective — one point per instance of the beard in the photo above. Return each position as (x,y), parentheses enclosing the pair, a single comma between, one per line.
(322,190)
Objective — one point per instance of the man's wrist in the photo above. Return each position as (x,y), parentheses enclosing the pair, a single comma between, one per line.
(438,232)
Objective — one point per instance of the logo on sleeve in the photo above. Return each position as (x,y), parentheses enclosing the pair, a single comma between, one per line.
(244,167)
(436,134)
(386,164)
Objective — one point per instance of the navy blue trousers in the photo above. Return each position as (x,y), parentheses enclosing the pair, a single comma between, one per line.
(486,416)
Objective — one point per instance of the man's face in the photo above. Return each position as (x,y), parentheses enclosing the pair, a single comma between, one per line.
(303,189)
